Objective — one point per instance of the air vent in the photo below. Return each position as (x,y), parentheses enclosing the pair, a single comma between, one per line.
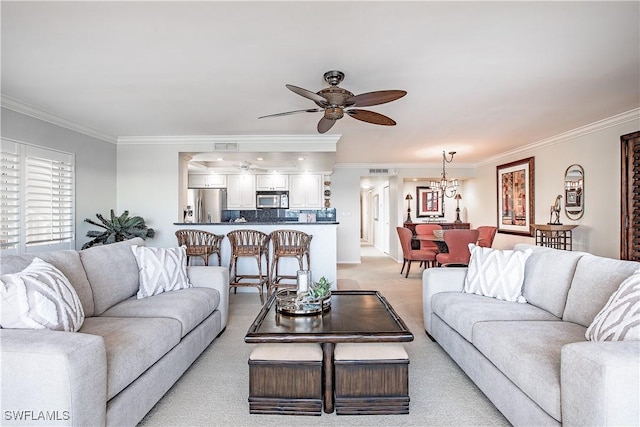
(382,171)
(378,171)
(225,146)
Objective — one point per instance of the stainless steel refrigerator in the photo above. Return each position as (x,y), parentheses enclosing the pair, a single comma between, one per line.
(207,204)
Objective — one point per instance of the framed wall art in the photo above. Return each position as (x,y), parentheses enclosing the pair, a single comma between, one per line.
(430,202)
(515,184)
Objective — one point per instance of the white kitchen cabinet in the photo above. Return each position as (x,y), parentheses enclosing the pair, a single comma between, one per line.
(305,191)
(207,181)
(241,191)
(272,182)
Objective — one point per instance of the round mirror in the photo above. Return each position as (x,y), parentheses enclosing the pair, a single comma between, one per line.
(574,192)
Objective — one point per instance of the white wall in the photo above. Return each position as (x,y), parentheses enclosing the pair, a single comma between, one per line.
(95,164)
(597,150)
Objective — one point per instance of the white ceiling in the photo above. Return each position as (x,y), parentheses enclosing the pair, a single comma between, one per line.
(482,77)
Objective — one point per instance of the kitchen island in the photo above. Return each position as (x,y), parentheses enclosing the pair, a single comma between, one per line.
(323,245)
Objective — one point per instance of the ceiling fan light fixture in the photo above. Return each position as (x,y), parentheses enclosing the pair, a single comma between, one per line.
(333,113)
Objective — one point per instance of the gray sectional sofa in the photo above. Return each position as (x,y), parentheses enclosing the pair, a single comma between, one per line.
(128,352)
(532,360)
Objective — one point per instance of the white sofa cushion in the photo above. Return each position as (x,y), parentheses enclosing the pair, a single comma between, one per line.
(462,311)
(161,270)
(619,319)
(528,353)
(496,273)
(595,280)
(39,297)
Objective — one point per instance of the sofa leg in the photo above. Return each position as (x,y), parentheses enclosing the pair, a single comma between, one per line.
(429,336)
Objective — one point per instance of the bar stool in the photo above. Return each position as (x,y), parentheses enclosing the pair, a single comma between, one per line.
(288,243)
(248,243)
(200,244)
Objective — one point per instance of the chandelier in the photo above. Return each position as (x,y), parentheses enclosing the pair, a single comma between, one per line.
(448,187)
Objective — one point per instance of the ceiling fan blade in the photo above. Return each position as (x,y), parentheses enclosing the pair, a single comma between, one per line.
(371,117)
(320,100)
(375,98)
(325,124)
(308,110)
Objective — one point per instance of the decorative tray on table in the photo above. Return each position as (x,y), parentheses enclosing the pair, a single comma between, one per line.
(288,302)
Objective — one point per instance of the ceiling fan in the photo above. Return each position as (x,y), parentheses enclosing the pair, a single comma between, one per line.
(335,102)
(246,166)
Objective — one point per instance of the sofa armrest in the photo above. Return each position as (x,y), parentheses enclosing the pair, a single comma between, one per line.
(52,378)
(213,277)
(435,280)
(600,383)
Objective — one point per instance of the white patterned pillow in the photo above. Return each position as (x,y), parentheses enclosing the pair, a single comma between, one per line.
(39,297)
(619,319)
(496,273)
(161,269)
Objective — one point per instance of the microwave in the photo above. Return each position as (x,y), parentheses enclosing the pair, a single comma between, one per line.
(272,200)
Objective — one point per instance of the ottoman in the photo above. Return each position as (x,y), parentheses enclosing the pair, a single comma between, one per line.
(371,379)
(285,379)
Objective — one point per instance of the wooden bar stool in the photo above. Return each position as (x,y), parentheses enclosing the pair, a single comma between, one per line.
(288,243)
(249,243)
(200,243)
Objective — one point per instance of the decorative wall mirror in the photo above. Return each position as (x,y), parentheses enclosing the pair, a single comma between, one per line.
(574,192)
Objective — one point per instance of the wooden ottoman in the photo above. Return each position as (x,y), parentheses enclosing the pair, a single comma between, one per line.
(371,379)
(285,379)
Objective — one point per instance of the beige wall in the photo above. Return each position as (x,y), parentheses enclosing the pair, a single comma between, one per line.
(597,150)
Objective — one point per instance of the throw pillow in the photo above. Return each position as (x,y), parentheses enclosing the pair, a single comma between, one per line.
(39,297)
(619,319)
(496,273)
(161,269)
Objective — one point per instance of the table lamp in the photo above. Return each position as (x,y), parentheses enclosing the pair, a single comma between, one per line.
(457,198)
(409,198)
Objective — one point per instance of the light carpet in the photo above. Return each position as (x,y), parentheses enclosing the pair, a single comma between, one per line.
(214,391)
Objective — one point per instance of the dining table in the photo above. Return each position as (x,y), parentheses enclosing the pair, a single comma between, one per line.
(439,241)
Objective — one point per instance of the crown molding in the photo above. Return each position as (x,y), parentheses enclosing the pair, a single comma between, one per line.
(598,126)
(22,108)
(234,139)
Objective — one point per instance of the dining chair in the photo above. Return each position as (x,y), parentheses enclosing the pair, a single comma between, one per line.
(200,243)
(410,255)
(427,229)
(458,243)
(486,235)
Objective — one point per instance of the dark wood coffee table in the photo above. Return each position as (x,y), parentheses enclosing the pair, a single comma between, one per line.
(355,316)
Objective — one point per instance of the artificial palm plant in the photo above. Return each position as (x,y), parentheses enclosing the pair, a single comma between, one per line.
(117,229)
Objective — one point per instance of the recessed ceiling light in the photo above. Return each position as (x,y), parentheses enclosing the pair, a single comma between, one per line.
(219,159)
(260,158)
(300,158)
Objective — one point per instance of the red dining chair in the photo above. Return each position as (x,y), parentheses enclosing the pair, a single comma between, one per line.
(486,235)
(410,255)
(427,229)
(458,243)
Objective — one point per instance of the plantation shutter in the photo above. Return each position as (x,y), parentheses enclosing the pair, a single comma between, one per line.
(9,195)
(48,197)
(630,189)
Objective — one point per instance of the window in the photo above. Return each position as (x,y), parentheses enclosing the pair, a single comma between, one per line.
(37,199)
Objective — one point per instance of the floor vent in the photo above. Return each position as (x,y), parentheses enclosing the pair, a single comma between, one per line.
(225,146)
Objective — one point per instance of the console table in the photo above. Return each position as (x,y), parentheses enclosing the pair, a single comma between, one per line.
(555,236)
